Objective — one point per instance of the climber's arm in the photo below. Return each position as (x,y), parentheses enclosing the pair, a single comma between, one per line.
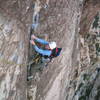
(41,51)
(42,41)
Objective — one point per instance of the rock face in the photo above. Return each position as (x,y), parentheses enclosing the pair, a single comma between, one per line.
(11,49)
(60,21)
(74,25)
(87,87)
(14,30)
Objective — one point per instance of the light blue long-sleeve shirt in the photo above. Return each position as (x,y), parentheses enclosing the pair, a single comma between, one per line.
(42,41)
(41,51)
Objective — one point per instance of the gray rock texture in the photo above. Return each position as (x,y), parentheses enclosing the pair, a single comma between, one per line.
(14,30)
(74,25)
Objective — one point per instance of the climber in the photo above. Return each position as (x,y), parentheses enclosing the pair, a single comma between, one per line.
(50,50)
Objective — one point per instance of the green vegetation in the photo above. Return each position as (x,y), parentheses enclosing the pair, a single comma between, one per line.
(80,85)
(97,97)
(85,91)
(82,98)
(97,47)
(88,89)
(86,77)
(95,23)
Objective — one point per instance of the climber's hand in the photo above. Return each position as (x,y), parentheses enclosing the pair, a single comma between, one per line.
(32,42)
(33,36)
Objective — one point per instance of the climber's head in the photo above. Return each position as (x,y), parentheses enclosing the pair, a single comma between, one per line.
(52,45)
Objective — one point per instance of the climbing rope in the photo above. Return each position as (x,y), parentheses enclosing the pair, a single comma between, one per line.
(34,25)
(35,60)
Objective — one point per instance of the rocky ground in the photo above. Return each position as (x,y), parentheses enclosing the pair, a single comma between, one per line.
(74,25)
